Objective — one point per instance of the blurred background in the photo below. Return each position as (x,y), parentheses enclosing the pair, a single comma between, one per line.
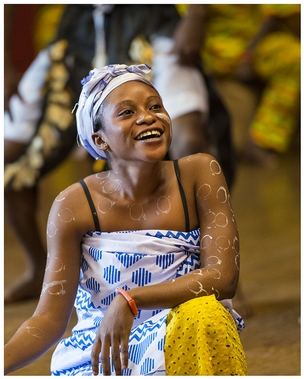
(252,56)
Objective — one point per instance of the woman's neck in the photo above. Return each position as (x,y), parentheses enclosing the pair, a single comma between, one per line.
(140,181)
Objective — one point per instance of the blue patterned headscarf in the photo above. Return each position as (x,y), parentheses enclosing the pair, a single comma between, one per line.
(96,86)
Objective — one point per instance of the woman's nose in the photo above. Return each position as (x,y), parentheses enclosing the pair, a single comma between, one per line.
(145,117)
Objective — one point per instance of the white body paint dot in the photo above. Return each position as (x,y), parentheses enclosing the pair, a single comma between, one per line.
(221,220)
(51,229)
(204,191)
(222,243)
(213,260)
(215,167)
(35,332)
(221,195)
(56,264)
(62,195)
(66,215)
(214,273)
(206,241)
(102,175)
(105,205)
(111,186)
(136,212)
(209,218)
(164,204)
(200,288)
(54,288)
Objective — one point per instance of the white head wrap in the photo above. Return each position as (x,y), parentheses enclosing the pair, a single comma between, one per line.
(96,87)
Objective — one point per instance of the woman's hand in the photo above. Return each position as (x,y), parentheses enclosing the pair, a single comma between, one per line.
(112,338)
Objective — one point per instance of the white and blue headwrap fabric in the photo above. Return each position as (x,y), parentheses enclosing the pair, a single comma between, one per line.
(96,86)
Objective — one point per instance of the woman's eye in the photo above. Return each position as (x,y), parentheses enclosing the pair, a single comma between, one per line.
(156,107)
(126,112)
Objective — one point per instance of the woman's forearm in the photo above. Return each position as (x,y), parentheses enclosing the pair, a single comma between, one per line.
(202,282)
(32,340)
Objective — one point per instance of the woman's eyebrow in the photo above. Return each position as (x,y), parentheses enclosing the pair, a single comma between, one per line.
(153,97)
(124,102)
(131,102)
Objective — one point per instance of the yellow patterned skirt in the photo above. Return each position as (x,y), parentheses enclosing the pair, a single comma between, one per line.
(202,339)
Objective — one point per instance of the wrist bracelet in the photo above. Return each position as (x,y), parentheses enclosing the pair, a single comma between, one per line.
(130,301)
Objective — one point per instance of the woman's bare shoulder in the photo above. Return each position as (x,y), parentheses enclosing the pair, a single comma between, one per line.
(70,194)
(74,197)
(201,168)
(199,160)
(70,209)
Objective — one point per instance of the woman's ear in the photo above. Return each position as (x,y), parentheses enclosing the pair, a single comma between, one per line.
(99,142)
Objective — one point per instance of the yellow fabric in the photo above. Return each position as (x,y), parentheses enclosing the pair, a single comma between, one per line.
(46,23)
(229,28)
(182,8)
(280,10)
(277,60)
(202,339)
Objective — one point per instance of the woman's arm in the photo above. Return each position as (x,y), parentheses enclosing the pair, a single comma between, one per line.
(50,319)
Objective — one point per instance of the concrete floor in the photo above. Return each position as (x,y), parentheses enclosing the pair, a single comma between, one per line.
(267,208)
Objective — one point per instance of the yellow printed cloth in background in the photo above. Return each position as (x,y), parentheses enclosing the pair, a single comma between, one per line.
(277,61)
(280,10)
(229,28)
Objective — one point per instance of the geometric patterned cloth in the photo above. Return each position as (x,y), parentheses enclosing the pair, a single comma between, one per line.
(125,259)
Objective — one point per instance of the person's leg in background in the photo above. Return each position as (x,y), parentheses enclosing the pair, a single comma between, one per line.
(49,134)
(277,61)
(20,202)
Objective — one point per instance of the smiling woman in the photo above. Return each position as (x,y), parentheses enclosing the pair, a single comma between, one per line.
(120,113)
(148,251)
(96,87)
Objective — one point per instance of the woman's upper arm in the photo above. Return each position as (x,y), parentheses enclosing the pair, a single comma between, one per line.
(61,278)
(219,233)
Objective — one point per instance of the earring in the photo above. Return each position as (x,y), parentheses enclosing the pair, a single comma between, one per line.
(105,145)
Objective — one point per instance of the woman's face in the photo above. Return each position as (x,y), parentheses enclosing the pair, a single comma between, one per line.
(136,125)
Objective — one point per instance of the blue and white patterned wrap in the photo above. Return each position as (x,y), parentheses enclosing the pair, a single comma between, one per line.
(127,260)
